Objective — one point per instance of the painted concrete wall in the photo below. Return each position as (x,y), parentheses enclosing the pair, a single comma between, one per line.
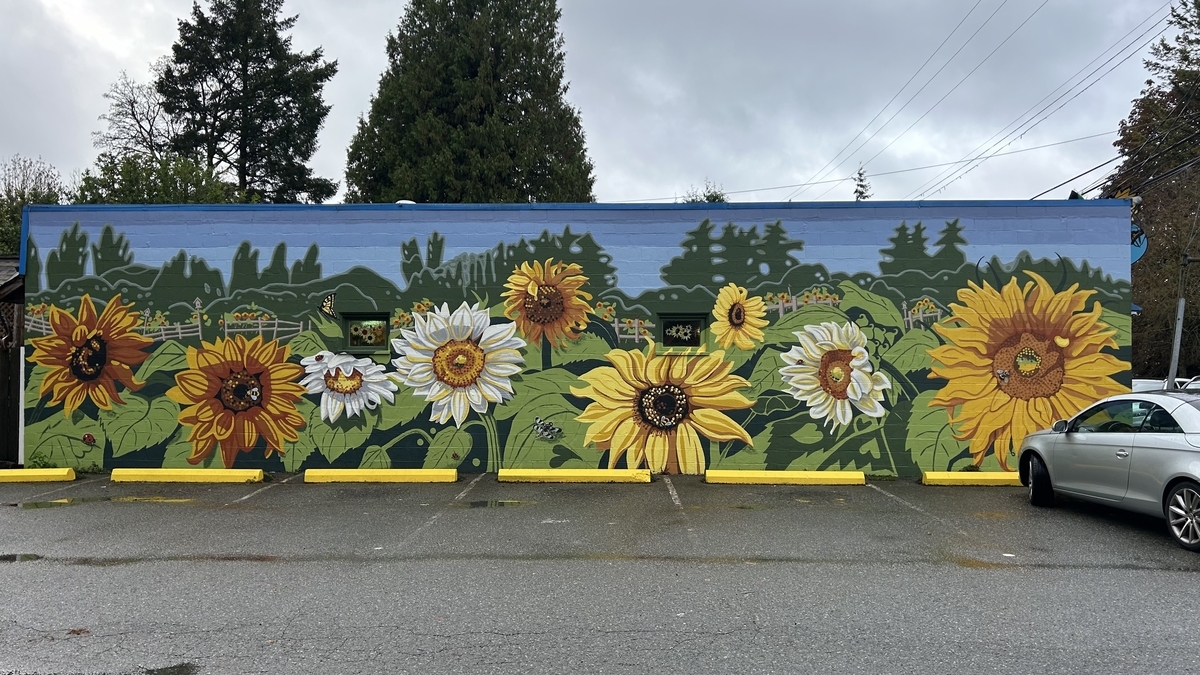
(890,337)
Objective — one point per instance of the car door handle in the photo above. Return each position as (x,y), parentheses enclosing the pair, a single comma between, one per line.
(1122,454)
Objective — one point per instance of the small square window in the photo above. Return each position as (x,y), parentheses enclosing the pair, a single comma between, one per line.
(682,330)
(366,333)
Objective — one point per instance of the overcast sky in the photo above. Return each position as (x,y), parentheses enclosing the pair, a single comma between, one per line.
(749,95)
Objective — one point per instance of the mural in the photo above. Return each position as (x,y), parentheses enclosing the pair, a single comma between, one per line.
(537,353)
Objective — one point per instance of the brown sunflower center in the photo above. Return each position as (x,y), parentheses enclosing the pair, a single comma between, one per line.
(547,306)
(663,406)
(835,372)
(240,392)
(341,383)
(87,360)
(458,363)
(737,315)
(1029,366)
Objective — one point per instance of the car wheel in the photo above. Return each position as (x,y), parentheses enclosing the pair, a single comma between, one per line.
(1183,515)
(1040,491)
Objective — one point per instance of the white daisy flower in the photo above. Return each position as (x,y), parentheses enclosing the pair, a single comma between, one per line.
(830,371)
(459,361)
(346,384)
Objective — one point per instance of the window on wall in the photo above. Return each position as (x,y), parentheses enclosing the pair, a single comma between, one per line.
(366,333)
(682,330)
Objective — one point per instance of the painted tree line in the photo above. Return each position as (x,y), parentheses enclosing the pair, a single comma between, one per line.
(470,108)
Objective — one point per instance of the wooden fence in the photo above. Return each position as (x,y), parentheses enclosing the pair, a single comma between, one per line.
(274,329)
(793,303)
(631,331)
(920,315)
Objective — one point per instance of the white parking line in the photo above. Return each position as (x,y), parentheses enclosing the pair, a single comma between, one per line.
(691,533)
(262,489)
(50,492)
(435,516)
(916,508)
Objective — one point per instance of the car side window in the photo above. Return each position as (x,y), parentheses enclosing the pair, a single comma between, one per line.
(1159,421)
(1113,417)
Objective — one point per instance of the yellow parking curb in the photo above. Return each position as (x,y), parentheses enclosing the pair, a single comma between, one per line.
(573,475)
(735,477)
(380,475)
(36,475)
(187,476)
(971,478)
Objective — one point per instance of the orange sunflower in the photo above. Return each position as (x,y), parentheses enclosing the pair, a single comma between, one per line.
(1021,358)
(88,355)
(546,300)
(655,408)
(236,391)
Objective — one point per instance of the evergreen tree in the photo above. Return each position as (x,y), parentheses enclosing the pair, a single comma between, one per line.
(862,189)
(137,178)
(949,256)
(246,106)
(471,109)
(1158,142)
(712,194)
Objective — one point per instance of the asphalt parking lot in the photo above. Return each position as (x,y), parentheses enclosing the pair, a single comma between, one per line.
(674,576)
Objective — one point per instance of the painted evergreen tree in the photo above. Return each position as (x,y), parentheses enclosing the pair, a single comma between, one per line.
(308,269)
(277,271)
(243,272)
(245,105)
(69,260)
(472,108)
(774,251)
(111,252)
(892,261)
(949,256)
(692,266)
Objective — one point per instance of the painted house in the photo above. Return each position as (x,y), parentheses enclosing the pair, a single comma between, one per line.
(887,337)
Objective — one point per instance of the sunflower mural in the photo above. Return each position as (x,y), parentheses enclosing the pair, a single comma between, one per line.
(1020,358)
(551,351)
(88,355)
(238,391)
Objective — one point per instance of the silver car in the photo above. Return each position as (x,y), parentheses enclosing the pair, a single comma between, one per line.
(1139,452)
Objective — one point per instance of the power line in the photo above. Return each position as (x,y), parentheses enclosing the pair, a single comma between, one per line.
(1074,177)
(937,180)
(819,174)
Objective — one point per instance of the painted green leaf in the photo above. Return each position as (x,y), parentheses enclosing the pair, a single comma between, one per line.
(33,385)
(406,408)
(1122,323)
(587,346)
(63,441)
(329,329)
(765,376)
(930,439)
(376,457)
(782,331)
(525,449)
(447,443)
(776,403)
(139,424)
(306,344)
(296,453)
(333,440)
(731,353)
(295,456)
(883,312)
(179,449)
(911,352)
(167,359)
(565,458)
(533,389)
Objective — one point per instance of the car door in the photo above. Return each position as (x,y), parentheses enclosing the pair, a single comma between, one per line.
(1092,457)
(1160,449)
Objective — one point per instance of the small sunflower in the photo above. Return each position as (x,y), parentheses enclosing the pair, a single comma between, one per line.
(1023,357)
(739,319)
(830,371)
(459,361)
(546,300)
(655,408)
(88,355)
(236,391)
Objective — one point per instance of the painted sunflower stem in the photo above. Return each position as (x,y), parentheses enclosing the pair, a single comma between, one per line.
(888,449)
(547,364)
(411,432)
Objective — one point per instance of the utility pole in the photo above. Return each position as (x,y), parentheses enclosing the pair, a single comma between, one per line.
(1174,368)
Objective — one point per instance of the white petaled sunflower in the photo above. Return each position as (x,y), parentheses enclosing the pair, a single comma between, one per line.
(458,361)
(346,384)
(830,371)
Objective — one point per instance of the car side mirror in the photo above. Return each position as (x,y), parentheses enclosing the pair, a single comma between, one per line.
(1059,427)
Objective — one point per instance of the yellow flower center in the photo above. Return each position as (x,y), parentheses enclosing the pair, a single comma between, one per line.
(87,360)
(545,306)
(737,315)
(338,382)
(663,406)
(458,363)
(1037,360)
(834,373)
(240,392)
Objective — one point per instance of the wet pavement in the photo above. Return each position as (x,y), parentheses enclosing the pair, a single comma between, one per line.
(674,576)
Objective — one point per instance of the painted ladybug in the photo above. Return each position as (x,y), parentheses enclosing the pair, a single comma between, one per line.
(89,439)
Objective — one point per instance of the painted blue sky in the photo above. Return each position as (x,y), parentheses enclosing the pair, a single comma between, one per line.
(640,238)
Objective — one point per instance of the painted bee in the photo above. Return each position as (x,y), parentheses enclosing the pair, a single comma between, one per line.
(545,430)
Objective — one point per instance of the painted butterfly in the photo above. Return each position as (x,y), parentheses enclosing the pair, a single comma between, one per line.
(545,430)
(327,306)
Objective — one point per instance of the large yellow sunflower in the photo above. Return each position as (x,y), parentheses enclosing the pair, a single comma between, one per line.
(1023,357)
(739,319)
(235,391)
(88,355)
(546,300)
(655,407)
